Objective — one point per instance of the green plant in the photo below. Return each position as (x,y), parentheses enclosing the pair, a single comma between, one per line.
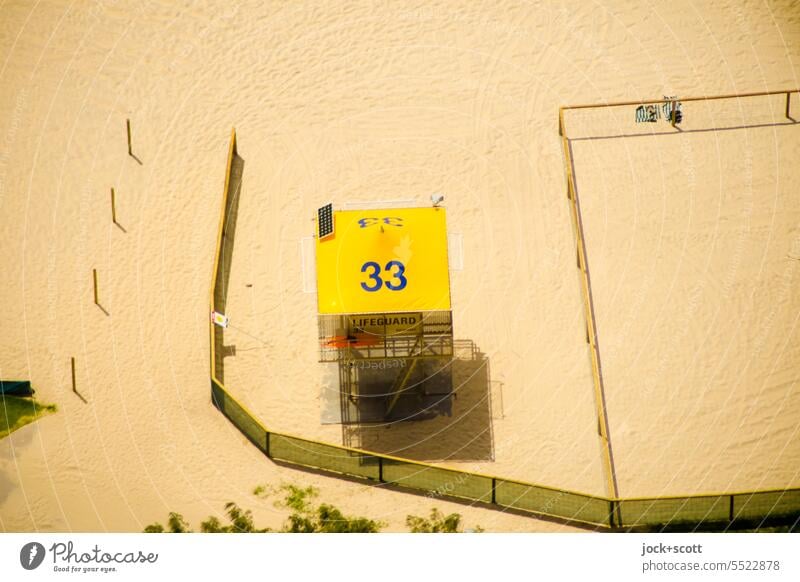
(437,523)
(305,517)
(241,522)
(175,524)
(323,518)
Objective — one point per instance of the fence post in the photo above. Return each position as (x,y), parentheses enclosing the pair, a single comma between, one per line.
(380,469)
(730,510)
(72,364)
(788,100)
(94,279)
(266,445)
(113,207)
(128,125)
(612,510)
(494,491)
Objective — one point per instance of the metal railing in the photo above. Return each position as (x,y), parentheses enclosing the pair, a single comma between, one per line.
(435,331)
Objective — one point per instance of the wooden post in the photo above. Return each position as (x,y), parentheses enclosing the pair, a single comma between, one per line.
(94,279)
(74,387)
(128,123)
(113,207)
(788,101)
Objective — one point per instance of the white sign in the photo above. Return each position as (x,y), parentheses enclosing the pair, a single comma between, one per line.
(219,319)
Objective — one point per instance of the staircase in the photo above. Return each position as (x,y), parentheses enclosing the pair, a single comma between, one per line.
(400,383)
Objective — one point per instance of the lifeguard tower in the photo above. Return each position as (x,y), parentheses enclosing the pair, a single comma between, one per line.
(383,296)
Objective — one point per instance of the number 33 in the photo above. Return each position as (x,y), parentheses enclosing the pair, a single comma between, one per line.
(378,282)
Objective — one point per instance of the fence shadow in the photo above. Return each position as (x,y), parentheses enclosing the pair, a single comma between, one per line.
(230,217)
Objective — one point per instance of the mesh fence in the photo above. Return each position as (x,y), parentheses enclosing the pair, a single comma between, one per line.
(322,456)
(437,481)
(240,418)
(646,512)
(441,482)
(567,505)
(766,504)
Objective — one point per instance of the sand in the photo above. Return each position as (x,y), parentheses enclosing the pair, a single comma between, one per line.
(374,101)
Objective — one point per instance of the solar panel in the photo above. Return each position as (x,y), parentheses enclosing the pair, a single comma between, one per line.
(325,221)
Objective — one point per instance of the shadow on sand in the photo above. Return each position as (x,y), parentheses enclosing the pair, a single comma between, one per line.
(451,422)
(221,351)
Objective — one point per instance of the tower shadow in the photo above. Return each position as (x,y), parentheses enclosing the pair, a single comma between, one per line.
(451,420)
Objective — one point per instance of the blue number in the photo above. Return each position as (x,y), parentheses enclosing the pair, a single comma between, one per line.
(365,222)
(399,275)
(401,268)
(376,268)
(392,221)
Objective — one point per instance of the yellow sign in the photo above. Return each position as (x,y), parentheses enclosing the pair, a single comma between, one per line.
(384,261)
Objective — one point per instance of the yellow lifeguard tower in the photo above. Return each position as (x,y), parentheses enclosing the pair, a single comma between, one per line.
(383,297)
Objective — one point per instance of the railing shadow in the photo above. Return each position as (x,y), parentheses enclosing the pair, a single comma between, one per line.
(681,131)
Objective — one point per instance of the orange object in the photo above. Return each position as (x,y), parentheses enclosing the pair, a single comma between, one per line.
(360,340)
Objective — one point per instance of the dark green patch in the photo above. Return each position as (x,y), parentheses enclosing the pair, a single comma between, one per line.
(16,412)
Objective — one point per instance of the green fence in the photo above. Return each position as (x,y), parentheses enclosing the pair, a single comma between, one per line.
(432,480)
(536,499)
(555,502)
(690,510)
(435,481)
